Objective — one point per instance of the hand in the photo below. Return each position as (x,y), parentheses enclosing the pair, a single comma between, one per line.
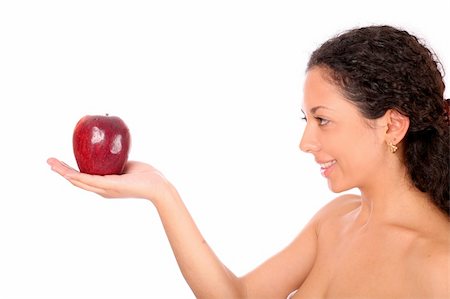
(139,180)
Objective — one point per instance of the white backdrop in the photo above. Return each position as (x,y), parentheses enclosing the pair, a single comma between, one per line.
(211,91)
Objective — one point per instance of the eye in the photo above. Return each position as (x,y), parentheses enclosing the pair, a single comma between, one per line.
(304,118)
(322,121)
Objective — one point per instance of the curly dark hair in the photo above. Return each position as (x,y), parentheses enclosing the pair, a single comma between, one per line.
(382,67)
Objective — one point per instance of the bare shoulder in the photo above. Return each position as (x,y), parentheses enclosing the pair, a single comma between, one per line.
(293,264)
(337,208)
(343,202)
(440,272)
(431,254)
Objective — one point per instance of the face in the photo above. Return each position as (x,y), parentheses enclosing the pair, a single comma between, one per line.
(347,146)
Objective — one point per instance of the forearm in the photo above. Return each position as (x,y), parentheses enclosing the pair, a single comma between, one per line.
(203,271)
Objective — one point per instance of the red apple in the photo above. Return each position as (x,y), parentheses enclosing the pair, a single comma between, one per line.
(101,144)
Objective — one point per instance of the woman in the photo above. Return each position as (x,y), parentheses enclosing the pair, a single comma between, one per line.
(377,121)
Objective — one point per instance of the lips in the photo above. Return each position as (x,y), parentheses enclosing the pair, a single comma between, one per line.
(327,164)
(326,167)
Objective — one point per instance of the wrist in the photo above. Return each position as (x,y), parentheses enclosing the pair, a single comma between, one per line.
(166,195)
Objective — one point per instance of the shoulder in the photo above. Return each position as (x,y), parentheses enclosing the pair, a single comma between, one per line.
(338,207)
(342,203)
(433,258)
(432,271)
(428,258)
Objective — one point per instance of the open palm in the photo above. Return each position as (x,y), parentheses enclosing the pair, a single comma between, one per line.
(139,180)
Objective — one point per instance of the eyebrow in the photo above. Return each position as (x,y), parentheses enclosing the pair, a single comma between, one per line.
(314,109)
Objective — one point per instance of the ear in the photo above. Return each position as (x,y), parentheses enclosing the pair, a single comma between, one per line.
(397,126)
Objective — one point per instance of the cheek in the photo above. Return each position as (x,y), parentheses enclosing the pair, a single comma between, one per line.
(355,168)
(364,157)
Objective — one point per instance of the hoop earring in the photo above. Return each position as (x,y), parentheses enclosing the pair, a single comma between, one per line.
(392,147)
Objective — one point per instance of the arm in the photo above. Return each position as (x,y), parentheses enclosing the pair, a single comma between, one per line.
(205,274)
(203,271)
(286,271)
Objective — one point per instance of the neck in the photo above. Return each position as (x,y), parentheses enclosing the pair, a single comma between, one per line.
(392,197)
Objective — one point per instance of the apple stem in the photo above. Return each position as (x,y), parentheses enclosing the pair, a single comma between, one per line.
(107,114)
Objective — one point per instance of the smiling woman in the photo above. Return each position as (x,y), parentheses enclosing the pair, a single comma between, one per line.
(394,72)
(376,121)
(334,123)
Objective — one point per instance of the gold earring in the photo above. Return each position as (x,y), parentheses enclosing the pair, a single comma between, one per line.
(392,147)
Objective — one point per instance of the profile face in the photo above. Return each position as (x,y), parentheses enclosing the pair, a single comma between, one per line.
(347,146)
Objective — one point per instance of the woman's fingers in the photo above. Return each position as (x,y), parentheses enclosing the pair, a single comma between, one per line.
(139,180)
(93,183)
(86,187)
(60,167)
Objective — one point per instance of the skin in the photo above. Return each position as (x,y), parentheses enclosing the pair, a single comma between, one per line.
(389,242)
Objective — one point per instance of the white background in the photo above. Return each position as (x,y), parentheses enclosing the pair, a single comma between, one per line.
(211,91)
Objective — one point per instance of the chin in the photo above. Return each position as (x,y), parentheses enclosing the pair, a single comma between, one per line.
(338,188)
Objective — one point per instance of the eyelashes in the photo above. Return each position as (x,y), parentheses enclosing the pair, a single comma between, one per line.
(321,121)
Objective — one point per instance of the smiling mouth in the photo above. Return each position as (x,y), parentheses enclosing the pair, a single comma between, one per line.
(327,164)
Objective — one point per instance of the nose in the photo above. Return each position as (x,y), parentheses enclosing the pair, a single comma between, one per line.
(309,142)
